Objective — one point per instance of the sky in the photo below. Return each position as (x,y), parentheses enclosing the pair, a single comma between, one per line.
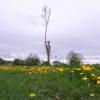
(74,25)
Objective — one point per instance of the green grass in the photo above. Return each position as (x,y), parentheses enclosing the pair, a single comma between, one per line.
(17,85)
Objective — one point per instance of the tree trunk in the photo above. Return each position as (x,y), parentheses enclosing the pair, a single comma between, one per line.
(45,16)
(48,51)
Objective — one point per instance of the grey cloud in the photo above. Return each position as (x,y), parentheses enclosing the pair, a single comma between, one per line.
(74,25)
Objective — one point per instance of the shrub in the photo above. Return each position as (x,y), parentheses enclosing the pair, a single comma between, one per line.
(74,59)
(45,63)
(18,62)
(32,60)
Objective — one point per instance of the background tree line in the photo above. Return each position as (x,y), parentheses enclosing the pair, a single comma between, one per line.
(72,59)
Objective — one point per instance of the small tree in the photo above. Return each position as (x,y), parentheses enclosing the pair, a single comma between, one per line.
(32,60)
(2,61)
(46,17)
(18,62)
(74,59)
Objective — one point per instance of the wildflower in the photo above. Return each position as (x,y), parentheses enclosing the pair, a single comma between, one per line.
(93,75)
(85,78)
(86,68)
(60,69)
(98,77)
(78,69)
(98,82)
(32,95)
(81,73)
(92,94)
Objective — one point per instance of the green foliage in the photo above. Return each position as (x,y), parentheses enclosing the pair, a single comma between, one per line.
(18,85)
(74,59)
(32,60)
(4,62)
(45,63)
(29,61)
(18,62)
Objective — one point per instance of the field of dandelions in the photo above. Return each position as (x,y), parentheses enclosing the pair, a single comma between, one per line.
(50,83)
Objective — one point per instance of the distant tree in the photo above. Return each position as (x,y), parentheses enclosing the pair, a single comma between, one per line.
(46,17)
(45,63)
(18,62)
(74,59)
(2,62)
(32,60)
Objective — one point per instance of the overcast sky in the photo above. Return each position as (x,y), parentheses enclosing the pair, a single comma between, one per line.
(74,25)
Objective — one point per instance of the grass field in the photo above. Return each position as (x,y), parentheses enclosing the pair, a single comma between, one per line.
(49,83)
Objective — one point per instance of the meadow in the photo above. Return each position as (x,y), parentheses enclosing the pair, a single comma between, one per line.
(50,83)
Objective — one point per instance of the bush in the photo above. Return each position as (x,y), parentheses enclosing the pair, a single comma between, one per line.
(2,61)
(18,62)
(74,59)
(32,60)
(45,63)
(5,62)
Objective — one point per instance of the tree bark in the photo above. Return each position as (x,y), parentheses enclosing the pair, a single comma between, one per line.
(46,16)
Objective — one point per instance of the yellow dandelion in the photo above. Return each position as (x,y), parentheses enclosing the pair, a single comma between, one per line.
(93,75)
(92,94)
(85,78)
(78,69)
(81,73)
(32,94)
(98,82)
(60,69)
(86,68)
(98,77)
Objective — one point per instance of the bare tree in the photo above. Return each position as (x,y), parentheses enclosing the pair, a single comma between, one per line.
(46,16)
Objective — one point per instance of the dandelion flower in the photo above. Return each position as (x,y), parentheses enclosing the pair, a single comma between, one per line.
(98,82)
(32,94)
(92,94)
(85,78)
(78,69)
(81,73)
(86,68)
(98,77)
(92,74)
